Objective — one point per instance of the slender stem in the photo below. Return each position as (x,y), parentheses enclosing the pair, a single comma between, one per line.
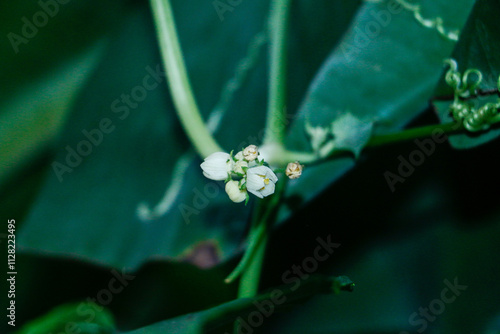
(258,232)
(250,279)
(252,268)
(420,132)
(178,81)
(256,237)
(276,112)
(450,97)
(285,156)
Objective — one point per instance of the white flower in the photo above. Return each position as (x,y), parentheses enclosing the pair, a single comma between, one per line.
(250,153)
(233,191)
(260,181)
(294,170)
(217,166)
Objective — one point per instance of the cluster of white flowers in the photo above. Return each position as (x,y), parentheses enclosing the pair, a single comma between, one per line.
(244,173)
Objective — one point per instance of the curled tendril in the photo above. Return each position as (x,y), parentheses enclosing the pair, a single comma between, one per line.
(452,76)
(452,63)
(460,110)
(470,86)
(463,85)
(466,86)
(479,120)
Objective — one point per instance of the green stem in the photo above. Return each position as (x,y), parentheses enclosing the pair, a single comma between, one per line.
(178,81)
(276,112)
(257,236)
(251,269)
(251,264)
(420,132)
(250,279)
(280,156)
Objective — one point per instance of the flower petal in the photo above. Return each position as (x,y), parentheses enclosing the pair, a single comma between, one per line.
(259,170)
(233,191)
(272,177)
(268,190)
(255,192)
(218,156)
(216,167)
(217,176)
(254,182)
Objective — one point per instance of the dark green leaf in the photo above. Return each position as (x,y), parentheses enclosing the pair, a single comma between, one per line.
(378,74)
(72,318)
(93,212)
(478,45)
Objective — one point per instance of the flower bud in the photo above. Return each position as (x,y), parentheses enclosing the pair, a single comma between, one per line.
(250,153)
(294,170)
(233,191)
(238,156)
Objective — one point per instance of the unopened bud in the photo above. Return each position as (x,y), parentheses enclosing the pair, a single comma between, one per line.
(250,153)
(294,170)
(233,191)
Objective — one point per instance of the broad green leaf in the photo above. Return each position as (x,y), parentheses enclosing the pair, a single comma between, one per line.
(48,49)
(95,208)
(113,157)
(351,133)
(34,43)
(378,74)
(478,45)
(31,119)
